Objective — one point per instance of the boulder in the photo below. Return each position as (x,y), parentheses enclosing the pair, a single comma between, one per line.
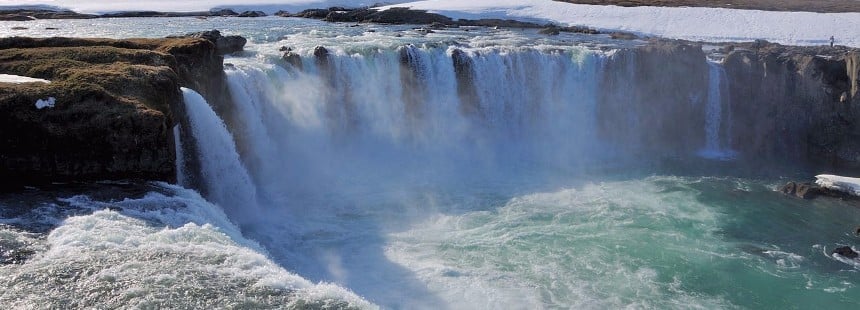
(283,13)
(294,59)
(846,252)
(223,44)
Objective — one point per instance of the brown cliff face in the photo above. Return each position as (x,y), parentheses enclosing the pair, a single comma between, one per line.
(115,106)
(795,104)
(652,98)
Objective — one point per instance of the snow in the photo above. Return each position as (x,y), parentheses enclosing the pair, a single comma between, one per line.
(839,183)
(46,103)
(699,24)
(17,79)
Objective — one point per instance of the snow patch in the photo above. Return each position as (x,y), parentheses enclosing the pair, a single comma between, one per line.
(839,183)
(46,103)
(690,23)
(17,79)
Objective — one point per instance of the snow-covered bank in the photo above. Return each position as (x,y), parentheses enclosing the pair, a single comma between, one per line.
(705,24)
(691,23)
(839,183)
(17,79)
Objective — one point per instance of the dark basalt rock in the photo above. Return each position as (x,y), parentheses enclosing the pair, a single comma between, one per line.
(293,59)
(252,14)
(283,13)
(223,45)
(623,36)
(802,190)
(223,12)
(551,30)
(846,252)
(313,13)
(116,103)
(795,104)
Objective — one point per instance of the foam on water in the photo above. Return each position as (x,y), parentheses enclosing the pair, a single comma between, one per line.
(163,250)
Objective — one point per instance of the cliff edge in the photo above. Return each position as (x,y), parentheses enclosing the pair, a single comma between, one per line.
(108,110)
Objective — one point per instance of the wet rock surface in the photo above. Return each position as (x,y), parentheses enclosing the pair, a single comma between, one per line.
(795,104)
(846,252)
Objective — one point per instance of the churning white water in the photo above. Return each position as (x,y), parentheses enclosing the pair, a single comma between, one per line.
(226,181)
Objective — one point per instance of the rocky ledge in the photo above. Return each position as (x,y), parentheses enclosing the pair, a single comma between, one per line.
(108,110)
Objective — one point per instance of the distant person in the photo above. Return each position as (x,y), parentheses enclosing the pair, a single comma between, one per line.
(832,40)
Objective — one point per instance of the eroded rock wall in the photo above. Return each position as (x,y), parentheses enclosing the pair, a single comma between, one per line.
(795,105)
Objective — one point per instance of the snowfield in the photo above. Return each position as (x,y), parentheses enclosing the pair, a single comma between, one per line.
(699,24)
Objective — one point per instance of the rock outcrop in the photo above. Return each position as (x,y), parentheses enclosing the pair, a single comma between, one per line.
(846,252)
(115,102)
(795,104)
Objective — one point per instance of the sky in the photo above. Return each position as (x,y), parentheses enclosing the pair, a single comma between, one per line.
(101,6)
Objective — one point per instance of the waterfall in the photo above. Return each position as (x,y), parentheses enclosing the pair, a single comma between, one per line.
(716,147)
(181,177)
(444,111)
(225,179)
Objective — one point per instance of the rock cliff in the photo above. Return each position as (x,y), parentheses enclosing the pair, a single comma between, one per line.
(114,104)
(796,104)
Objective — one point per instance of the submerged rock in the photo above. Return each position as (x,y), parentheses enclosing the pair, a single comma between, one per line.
(846,252)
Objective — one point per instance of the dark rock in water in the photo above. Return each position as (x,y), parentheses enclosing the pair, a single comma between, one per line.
(223,12)
(223,45)
(789,189)
(857,231)
(293,59)
(501,23)
(437,26)
(283,13)
(846,252)
(550,30)
(802,190)
(811,191)
(20,28)
(313,13)
(623,36)
(51,28)
(320,52)
(285,49)
(252,14)
(808,191)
